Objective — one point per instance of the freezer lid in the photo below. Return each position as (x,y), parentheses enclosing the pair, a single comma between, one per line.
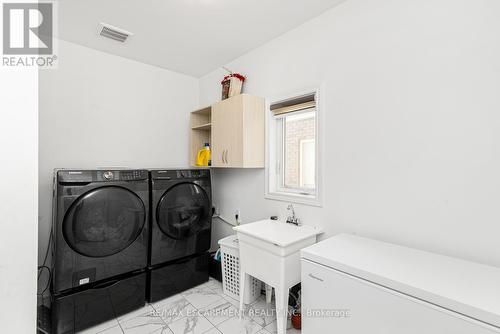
(465,287)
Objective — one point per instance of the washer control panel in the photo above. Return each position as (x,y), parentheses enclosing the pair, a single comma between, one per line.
(87,176)
(122,175)
(131,175)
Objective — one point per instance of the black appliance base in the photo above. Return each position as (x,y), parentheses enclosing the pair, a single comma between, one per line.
(43,321)
(86,308)
(177,276)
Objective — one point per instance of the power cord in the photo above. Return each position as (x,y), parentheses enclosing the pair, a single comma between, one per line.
(40,271)
(43,267)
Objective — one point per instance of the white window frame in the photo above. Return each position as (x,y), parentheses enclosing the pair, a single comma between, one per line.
(273,189)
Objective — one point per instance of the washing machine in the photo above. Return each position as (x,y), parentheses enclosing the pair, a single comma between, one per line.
(181,220)
(100,225)
(100,252)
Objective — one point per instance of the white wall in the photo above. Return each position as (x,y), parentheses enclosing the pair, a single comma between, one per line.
(100,110)
(412,122)
(18,199)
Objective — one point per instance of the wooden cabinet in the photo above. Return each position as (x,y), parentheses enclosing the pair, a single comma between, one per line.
(236,129)
(238,132)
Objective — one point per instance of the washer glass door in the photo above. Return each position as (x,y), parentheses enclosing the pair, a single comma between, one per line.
(104,221)
(183,211)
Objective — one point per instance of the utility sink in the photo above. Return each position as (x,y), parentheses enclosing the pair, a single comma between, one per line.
(270,252)
(276,236)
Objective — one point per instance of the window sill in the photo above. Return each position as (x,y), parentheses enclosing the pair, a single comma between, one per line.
(293,198)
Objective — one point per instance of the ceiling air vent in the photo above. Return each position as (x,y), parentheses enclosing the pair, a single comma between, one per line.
(120,35)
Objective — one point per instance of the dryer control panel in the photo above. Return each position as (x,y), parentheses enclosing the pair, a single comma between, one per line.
(177,174)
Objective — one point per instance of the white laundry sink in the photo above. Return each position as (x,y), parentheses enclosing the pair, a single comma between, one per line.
(277,237)
(270,252)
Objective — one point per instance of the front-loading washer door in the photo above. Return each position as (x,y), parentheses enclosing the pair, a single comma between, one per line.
(104,221)
(183,211)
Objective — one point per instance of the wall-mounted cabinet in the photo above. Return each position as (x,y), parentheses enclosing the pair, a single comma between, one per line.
(235,129)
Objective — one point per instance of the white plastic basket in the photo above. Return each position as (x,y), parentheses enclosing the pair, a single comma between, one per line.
(230,256)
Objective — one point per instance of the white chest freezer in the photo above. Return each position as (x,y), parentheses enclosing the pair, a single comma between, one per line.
(354,285)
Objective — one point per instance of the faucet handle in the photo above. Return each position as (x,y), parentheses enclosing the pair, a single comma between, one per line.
(292,219)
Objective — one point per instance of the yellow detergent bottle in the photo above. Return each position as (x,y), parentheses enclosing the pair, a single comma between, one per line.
(203,158)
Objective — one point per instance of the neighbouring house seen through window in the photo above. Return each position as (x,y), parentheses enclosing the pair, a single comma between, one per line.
(299,150)
(293,152)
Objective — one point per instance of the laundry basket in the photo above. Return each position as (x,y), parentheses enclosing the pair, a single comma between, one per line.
(230,255)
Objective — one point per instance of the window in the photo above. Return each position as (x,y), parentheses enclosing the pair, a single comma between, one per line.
(293,154)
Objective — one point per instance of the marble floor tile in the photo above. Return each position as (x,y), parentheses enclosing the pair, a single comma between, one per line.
(167,301)
(235,302)
(173,309)
(213,331)
(208,284)
(213,283)
(217,288)
(201,297)
(219,311)
(191,325)
(263,331)
(112,330)
(236,325)
(145,309)
(101,327)
(204,309)
(262,300)
(145,323)
(164,330)
(271,328)
(262,312)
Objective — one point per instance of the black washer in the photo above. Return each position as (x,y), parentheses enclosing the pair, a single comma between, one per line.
(104,221)
(100,225)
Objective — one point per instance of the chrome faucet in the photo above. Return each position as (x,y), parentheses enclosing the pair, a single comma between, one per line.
(292,219)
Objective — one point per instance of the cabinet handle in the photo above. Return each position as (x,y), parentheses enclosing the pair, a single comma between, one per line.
(227,153)
(316,278)
(224,156)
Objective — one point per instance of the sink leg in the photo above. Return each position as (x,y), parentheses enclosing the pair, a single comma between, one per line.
(281,294)
(243,277)
(269,293)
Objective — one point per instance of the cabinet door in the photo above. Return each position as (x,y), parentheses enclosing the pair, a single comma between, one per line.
(335,302)
(227,136)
